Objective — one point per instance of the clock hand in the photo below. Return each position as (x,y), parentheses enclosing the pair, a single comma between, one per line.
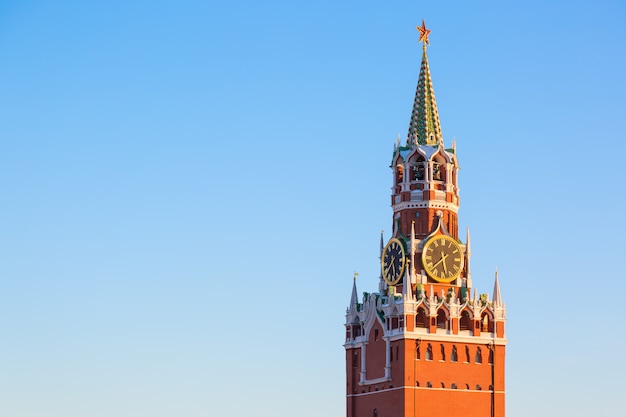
(443,258)
(391,262)
(439,261)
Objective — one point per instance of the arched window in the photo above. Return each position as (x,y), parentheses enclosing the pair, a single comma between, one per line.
(490,359)
(454,357)
(467,354)
(466,322)
(442,322)
(418,354)
(479,356)
(487,323)
(443,352)
(399,174)
(375,413)
(478,387)
(443,385)
(429,352)
(429,384)
(419,170)
(420,318)
(439,168)
(417,383)
(453,386)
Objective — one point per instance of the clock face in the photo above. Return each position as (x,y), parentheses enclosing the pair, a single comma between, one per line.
(393,261)
(442,258)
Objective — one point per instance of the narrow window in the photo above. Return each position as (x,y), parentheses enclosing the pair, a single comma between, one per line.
(376,334)
(453,386)
(467,354)
(375,413)
(429,385)
(479,356)
(418,354)
(417,383)
(490,359)
(397,352)
(443,352)
(478,387)
(429,353)
(443,385)
(454,357)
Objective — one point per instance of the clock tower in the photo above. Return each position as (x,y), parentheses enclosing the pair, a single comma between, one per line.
(426,343)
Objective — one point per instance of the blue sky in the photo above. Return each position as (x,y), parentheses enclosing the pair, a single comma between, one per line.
(188,187)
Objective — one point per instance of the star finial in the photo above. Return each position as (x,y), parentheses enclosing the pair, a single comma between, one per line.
(423,33)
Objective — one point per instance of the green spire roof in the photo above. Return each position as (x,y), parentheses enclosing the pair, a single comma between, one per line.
(425,128)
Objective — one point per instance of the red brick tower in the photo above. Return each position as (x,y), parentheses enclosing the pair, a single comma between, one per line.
(423,345)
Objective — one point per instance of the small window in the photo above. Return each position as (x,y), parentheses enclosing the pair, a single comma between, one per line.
(376,334)
(467,354)
(478,387)
(443,352)
(417,383)
(375,413)
(479,356)
(429,353)
(418,354)
(397,352)
(454,357)
(443,385)
(453,386)
(429,384)
(490,359)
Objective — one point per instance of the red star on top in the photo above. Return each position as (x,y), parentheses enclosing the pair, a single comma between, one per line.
(423,33)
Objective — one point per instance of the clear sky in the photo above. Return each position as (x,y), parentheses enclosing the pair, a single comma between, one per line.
(187,188)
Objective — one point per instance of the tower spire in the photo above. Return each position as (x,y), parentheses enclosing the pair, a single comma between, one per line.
(496,298)
(425,128)
(354,299)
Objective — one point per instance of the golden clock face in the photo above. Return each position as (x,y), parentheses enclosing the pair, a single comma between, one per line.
(393,261)
(442,258)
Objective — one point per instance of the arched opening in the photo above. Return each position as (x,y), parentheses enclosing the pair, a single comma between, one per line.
(454,357)
(399,174)
(467,354)
(479,356)
(442,321)
(439,168)
(490,359)
(429,352)
(487,323)
(421,320)
(443,352)
(465,323)
(419,170)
